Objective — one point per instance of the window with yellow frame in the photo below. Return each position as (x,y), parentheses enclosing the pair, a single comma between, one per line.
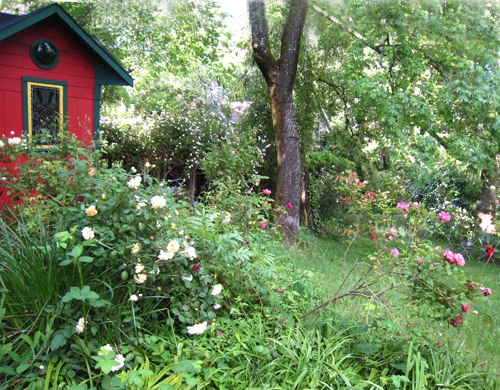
(45,107)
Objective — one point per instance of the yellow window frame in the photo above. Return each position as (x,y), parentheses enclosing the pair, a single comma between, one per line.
(28,83)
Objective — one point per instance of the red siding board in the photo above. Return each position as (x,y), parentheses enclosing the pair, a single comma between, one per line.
(85,93)
(3,110)
(17,74)
(62,68)
(8,84)
(13,111)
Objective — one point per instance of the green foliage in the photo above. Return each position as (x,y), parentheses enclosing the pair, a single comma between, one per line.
(405,260)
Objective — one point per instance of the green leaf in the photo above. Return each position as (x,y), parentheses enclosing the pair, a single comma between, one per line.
(80,294)
(190,381)
(58,341)
(23,367)
(66,262)
(7,370)
(86,259)
(77,251)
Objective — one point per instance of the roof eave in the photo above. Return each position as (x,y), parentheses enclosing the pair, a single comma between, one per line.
(55,9)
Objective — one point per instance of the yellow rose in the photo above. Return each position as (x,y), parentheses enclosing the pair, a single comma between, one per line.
(135,248)
(92,173)
(91,211)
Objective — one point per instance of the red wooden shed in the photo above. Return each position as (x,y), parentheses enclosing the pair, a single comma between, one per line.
(51,73)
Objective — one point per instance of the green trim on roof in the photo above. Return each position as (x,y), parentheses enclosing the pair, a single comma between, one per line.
(28,20)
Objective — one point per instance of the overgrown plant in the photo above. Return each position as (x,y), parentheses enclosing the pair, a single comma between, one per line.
(405,262)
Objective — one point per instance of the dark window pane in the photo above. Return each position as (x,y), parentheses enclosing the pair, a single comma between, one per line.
(44,110)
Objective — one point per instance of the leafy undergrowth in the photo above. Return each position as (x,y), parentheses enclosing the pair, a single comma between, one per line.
(476,340)
(121,284)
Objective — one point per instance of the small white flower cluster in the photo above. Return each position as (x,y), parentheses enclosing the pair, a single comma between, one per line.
(227,218)
(158,202)
(15,141)
(189,252)
(80,326)
(197,328)
(172,247)
(216,290)
(87,233)
(140,202)
(135,182)
(140,278)
(120,359)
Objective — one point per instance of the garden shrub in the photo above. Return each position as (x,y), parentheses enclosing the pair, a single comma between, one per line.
(141,259)
(405,261)
(159,291)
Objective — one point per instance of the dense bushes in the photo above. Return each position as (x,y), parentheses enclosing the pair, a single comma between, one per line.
(116,283)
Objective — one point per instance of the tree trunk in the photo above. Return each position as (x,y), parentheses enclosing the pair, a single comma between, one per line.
(191,187)
(488,200)
(280,78)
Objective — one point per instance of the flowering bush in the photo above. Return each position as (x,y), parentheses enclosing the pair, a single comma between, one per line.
(405,261)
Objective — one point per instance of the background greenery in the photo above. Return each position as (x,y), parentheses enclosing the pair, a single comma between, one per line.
(402,93)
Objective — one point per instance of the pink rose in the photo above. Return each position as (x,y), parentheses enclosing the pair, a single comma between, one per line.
(403,206)
(267,192)
(459,259)
(444,216)
(457,320)
(415,204)
(486,291)
(449,255)
(289,205)
(395,252)
(262,224)
(465,308)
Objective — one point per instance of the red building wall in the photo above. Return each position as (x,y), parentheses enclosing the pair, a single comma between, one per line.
(76,67)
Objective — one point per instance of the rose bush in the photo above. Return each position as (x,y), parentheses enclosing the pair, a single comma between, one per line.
(406,266)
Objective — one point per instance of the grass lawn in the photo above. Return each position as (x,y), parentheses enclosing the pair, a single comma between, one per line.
(476,339)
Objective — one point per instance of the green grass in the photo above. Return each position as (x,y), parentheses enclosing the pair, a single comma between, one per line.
(476,340)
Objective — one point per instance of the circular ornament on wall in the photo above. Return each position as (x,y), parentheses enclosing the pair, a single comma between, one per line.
(44,53)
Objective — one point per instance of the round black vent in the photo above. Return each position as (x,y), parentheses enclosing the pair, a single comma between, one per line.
(44,53)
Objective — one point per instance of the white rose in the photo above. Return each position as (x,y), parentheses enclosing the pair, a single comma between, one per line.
(141,278)
(197,328)
(165,255)
(158,202)
(217,289)
(14,141)
(87,233)
(135,182)
(173,246)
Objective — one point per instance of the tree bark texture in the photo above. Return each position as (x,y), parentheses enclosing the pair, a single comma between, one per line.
(279,75)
